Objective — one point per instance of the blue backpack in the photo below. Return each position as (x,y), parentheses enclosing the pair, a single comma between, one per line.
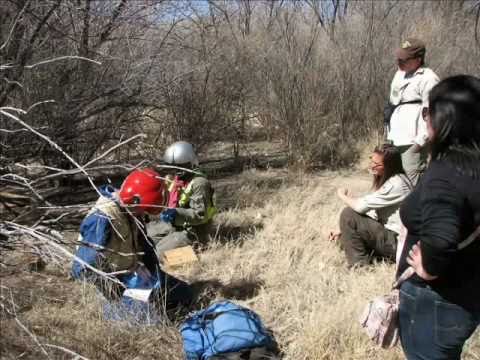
(223,327)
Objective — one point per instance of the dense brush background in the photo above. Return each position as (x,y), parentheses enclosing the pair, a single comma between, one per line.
(311,74)
(295,85)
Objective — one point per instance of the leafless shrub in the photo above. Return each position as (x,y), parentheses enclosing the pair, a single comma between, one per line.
(312,73)
(91,103)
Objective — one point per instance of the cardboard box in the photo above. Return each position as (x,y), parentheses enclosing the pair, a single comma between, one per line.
(179,257)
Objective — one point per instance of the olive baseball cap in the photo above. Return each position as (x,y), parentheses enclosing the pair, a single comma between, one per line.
(410,48)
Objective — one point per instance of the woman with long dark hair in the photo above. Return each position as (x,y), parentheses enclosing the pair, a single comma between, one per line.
(369,225)
(440,303)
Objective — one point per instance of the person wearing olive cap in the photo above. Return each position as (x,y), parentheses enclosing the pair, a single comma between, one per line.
(408,96)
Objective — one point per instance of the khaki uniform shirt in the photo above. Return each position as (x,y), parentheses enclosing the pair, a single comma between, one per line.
(383,204)
(406,124)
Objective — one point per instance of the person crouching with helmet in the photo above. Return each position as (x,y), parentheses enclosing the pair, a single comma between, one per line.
(113,240)
(190,204)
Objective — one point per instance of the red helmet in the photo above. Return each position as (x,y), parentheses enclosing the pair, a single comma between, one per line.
(144,189)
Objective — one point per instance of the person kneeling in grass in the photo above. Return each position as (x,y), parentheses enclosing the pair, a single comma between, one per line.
(114,241)
(370,225)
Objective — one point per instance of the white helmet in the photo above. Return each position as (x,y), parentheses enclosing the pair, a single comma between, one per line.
(181,153)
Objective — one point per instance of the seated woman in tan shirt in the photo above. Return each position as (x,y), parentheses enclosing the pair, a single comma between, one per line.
(370,225)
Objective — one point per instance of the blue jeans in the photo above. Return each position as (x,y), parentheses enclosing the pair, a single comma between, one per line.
(431,328)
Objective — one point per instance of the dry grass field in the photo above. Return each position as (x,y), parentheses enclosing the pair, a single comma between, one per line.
(270,253)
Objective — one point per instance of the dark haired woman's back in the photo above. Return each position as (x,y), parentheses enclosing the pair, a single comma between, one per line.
(437,316)
(449,212)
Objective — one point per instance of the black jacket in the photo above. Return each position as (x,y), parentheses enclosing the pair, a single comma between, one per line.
(442,211)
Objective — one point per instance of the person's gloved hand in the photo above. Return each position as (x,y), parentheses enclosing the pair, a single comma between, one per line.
(168,215)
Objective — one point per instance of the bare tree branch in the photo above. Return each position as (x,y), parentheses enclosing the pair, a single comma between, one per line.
(114,148)
(14,25)
(60,58)
(52,242)
(48,140)
(23,327)
(477,21)
(68,351)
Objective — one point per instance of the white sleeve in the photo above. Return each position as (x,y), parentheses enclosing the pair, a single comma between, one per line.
(387,195)
(422,134)
(395,95)
(431,79)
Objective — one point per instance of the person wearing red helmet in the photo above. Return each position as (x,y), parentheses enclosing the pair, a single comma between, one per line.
(113,238)
(143,191)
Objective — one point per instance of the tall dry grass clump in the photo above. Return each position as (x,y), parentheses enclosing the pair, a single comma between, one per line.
(306,294)
(63,318)
(304,291)
(272,256)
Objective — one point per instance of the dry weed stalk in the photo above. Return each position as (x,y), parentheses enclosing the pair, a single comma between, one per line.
(40,240)
(305,292)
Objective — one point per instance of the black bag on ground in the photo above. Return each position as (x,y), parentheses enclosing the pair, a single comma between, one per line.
(258,353)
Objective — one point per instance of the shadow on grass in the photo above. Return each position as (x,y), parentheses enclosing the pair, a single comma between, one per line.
(205,291)
(241,289)
(235,233)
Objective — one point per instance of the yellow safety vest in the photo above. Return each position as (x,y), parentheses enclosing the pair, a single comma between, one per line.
(186,193)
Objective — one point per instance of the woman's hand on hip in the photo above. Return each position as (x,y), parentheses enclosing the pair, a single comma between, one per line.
(414,259)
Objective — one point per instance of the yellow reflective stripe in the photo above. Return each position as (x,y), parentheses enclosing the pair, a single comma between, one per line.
(185,196)
(211,211)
